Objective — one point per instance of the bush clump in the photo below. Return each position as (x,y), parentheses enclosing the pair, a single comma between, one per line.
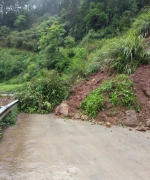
(43,93)
(121,54)
(8,120)
(117,91)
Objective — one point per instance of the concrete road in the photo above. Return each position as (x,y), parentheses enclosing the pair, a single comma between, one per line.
(43,147)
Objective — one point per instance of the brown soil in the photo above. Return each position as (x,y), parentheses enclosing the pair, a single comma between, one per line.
(5,100)
(141,80)
(83,89)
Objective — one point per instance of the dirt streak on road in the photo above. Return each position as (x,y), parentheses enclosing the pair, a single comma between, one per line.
(44,147)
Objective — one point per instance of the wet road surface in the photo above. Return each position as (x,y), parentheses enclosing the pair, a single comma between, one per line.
(44,147)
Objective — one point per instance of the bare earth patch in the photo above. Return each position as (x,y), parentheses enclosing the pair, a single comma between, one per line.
(141,79)
(83,89)
(115,115)
(5,100)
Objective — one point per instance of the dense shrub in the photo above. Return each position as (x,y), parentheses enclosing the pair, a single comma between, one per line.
(142,24)
(8,120)
(118,91)
(4,31)
(122,54)
(74,61)
(44,92)
(27,39)
(14,63)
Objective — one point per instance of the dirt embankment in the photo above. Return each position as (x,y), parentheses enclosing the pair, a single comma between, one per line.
(83,89)
(141,81)
(5,100)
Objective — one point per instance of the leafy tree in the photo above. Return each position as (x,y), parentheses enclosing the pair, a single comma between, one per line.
(96,16)
(50,42)
(21,22)
(4,31)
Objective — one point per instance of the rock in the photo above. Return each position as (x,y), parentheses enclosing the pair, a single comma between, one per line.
(140,115)
(57,110)
(147,91)
(142,128)
(103,117)
(108,124)
(77,116)
(73,171)
(130,129)
(62,109)
(148,123)
(100,123)
(131,119)
(84,117)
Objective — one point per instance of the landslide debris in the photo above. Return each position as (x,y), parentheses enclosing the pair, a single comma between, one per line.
(141,83)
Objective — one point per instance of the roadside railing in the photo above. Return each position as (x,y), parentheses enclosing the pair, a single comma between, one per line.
(6,109)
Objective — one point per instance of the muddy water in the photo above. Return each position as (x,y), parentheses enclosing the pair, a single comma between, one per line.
(43,147)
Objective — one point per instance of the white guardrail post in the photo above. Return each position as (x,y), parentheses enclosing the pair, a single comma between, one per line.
(5,109)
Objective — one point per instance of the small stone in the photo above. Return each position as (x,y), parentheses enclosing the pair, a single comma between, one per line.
(100,123)
(73,170)
(64,109)
(142,128)
(130,129)
(148,122)
(93,122)
(57,110)
(77,116)
(147,91)
(131,119)
(108,124)
(84,117)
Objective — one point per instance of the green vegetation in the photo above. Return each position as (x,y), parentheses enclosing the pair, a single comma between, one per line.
(16,64)
(26,39)
(121,54)
(44,92)
(70,39)
(142,24)
(8,120)
(11,87)
(118,91)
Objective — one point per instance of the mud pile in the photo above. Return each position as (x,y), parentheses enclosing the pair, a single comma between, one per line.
(141,81)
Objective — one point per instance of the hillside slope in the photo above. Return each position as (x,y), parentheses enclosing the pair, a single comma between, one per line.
(141,81)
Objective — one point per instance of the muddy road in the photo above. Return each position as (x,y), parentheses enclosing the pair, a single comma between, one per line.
(43,147)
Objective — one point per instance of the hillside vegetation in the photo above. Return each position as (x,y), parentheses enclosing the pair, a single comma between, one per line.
(74,40)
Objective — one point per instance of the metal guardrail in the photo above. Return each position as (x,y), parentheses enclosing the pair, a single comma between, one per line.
(5,109)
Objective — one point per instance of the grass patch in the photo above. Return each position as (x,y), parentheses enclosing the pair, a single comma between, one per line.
(118,91)
(8,120)
(11,88)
